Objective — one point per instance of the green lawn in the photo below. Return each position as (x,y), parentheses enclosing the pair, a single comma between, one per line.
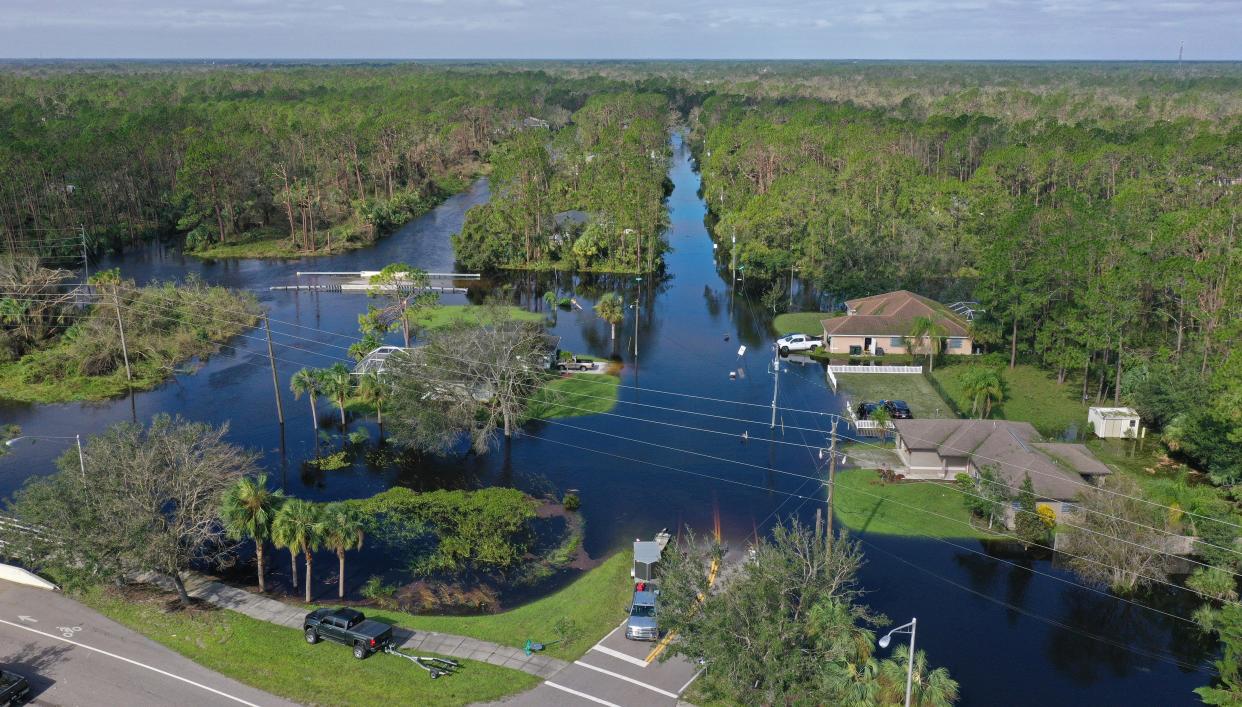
(595,603)
(801,322)
(914,389)
(446,314)
(576,395)
(862,503)
(1031,395)
(276,659)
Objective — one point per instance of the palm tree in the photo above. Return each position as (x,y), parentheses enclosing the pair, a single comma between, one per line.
(983,384)
(342,531)
(248,509)
(934,689)
(337,383)
(308,381)
(299,527)
(931,330)
(611,309)
(881,417)
(373,391)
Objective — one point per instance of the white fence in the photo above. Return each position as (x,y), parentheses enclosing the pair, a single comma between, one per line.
(874,369)
(832,379)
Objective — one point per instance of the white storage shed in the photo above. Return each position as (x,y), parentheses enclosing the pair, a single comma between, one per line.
(1114,422)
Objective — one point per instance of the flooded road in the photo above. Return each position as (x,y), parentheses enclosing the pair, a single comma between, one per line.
(688,445)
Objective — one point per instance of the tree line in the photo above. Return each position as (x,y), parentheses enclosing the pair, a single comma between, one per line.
(1103,254)
(305,153)
(589,196)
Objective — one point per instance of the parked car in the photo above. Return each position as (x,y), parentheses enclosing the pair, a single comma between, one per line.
(573,363)
(642,625)
(798,342)
(898,409)
(349,627)
(865,409)
(14,689)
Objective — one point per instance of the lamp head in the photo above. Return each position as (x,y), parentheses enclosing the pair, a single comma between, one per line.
(9,442)
(884,640)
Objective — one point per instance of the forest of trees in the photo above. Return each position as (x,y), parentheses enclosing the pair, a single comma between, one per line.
(302,153)
(604,175)
(1106,254)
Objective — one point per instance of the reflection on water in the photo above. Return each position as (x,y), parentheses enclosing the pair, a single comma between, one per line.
(653,464)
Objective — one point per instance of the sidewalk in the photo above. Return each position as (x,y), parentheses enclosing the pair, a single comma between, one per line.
(282,614)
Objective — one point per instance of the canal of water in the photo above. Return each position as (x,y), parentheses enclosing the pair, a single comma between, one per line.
(1012,629)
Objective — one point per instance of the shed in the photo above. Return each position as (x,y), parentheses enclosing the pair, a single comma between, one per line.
(646,556)
(1114,422)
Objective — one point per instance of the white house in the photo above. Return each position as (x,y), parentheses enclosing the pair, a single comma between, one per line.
(1114,422)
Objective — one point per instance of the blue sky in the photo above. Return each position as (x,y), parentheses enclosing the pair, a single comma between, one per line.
(871,29)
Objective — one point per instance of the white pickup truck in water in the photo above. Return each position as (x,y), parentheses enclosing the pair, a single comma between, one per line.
(798,342)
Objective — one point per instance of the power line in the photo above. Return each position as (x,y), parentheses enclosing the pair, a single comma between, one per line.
(698,429)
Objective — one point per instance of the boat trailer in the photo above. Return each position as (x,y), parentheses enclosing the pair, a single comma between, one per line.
(434,666)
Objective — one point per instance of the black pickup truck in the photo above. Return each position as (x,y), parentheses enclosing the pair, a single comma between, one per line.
(14,690)
(349,627)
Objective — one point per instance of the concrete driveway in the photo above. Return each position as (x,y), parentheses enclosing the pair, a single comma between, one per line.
(74,656)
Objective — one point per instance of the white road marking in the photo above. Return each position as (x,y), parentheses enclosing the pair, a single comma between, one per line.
(131,661)
(630,680)
(692,679)
(583,695)
(618,654)
(29,619)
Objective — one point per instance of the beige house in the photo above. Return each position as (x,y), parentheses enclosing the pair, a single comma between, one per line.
(881,324)
(942,449)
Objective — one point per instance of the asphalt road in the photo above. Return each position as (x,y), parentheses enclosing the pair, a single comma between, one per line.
(74,656)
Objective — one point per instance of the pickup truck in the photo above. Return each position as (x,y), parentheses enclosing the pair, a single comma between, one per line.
(14,690)
(349,627)
(798,342)
(573,363)
(642,624)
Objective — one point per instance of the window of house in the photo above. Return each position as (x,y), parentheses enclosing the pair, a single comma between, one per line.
(955,343)
(896,341)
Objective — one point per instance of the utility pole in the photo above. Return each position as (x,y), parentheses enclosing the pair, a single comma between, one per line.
(733,260)
(116,299)
(638,290)
(271,359)
(776,380)
(86,267)
(832,472)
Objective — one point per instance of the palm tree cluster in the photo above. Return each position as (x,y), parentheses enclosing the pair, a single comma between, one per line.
(252,511)
(983,386)
(337,384)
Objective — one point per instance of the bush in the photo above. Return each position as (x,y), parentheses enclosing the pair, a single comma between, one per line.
(571,501)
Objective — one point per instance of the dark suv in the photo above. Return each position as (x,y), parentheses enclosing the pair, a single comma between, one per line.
(898,409)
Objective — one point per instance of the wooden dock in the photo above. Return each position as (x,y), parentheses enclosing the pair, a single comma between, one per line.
(363,286)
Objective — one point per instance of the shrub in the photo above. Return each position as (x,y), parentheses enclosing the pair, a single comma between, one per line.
(571,501)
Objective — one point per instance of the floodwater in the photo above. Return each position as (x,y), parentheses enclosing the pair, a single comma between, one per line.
(689,445)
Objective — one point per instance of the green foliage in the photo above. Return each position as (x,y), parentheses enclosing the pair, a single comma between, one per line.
(792,624)
(986,497)
(1030,395)
(1215,583)
(247,512)
(1027,524)
(330,462)
(139,499)
(383,595)
(165,325)
(571,501)
(1226,622)
(610,163)
(484,531)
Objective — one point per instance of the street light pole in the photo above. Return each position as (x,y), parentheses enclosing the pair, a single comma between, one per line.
(884,641)
(76,438)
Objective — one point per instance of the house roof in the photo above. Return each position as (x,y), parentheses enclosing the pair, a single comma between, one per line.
(1055,468)
(1115,413)
(892,314)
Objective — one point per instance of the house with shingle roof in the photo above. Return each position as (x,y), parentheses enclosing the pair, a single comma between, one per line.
(880,324)
(942,449)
